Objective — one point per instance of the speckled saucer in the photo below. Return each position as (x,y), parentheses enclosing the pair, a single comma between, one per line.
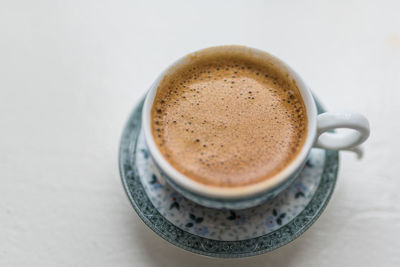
(223,233)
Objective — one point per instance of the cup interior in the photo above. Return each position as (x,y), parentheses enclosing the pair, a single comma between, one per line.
(246,190)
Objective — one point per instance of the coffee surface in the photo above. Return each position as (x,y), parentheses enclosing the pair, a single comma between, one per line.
(228,121)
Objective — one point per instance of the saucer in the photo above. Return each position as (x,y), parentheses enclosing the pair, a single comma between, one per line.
(223,233)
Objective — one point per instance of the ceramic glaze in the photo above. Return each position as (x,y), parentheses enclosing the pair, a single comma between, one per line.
(319,134)
(223,233)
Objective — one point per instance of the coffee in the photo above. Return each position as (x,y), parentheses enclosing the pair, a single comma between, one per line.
(228,119)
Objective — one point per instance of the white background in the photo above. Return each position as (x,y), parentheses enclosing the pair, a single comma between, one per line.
(71,72)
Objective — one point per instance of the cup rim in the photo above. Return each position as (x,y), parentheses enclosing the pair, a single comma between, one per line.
(246,190)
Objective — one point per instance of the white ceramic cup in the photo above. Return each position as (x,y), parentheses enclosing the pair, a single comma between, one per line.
(319,135)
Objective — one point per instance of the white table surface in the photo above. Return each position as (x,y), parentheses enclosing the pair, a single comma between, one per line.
(71,72)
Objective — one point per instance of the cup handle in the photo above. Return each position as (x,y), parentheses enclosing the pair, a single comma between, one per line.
(336,141)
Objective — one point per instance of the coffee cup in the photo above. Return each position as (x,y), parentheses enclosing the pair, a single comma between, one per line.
(318,134)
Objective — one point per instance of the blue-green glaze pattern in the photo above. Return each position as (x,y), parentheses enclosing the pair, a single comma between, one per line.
(231,204)
(195,242)
(224,224)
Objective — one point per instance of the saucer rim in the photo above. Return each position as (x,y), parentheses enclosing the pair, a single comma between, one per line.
(277,238)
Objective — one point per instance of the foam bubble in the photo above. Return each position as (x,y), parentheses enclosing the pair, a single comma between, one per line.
(228,122)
